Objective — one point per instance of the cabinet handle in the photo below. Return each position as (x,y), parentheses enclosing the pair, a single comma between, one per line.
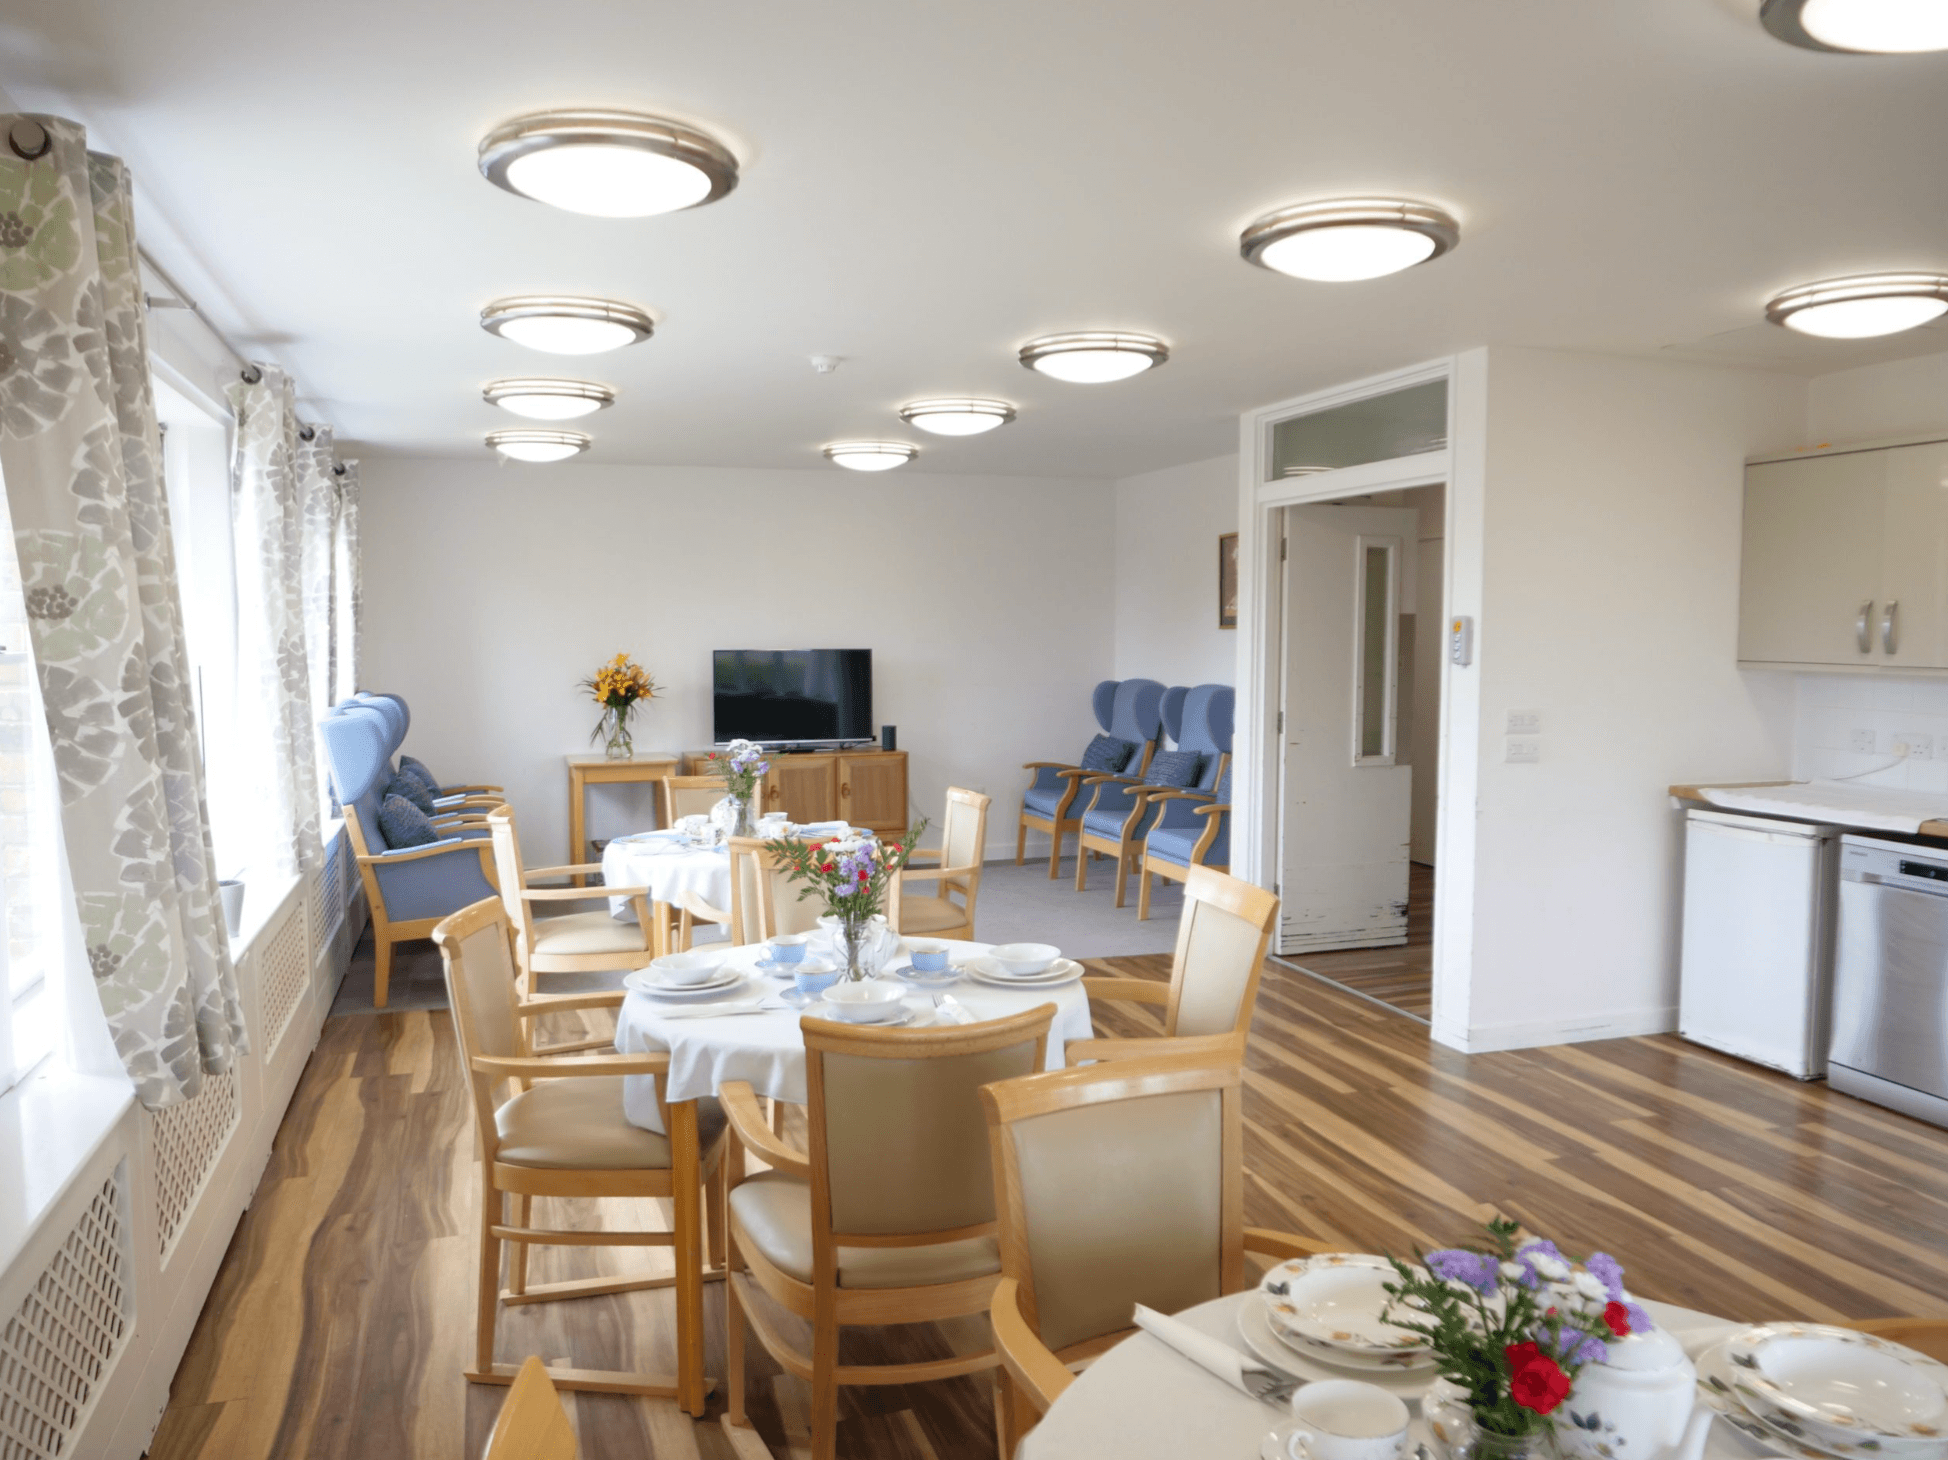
(1863,628)
(1890,626)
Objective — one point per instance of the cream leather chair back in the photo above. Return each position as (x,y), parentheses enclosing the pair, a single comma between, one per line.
(479,968)
(689,796)
(507,864)
(963,840)
(1221,941)
(764,899)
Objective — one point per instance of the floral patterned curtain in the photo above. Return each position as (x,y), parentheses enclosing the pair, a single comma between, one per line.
(317,558)
(349,606)
(80,451)
(275,716)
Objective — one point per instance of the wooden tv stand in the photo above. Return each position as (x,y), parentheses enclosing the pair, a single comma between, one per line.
(866,787)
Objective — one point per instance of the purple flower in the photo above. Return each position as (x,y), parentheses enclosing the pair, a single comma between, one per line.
(1577,1347)
(1639,1319)
(1609,1272)
(1475,1270)
(1542,1257)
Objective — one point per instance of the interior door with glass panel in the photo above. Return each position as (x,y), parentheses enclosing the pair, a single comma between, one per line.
(1346,803)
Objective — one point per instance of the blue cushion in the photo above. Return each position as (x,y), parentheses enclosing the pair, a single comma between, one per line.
(1222,795)
(1175,843)
(411,788)
(1174,768)
(404,824)
(1107,754)
(1042,802)
(418,768)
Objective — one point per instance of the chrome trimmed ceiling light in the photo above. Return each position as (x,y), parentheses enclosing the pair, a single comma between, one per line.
(1094,357)
(1341,240)
(607,164)
(549,400)
(1861,306)
(1859,27)
(957,415)
(870,455)
(566,325)
(538,447)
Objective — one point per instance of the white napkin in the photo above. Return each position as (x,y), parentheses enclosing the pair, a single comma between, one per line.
(1210,1353)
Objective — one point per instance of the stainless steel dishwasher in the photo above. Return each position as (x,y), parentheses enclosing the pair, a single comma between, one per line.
(1890,978)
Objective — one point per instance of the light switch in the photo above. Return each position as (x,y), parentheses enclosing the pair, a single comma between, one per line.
(1524,722)
(1523,752)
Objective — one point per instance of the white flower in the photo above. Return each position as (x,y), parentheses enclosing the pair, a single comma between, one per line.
(1549,1267)
(1514,1271)
(1588,1286)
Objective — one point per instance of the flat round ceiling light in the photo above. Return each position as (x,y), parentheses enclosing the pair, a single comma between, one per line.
(1862,306)
(549,400)
(538,446)
(957,416)
(563,325)
(870,455)
(1344,239)
(1878,26)
(610,164)
(1094,357)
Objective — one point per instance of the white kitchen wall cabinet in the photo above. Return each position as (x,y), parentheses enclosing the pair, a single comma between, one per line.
(1846,560)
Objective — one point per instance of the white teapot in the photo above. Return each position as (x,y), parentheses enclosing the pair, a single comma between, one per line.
(1637,1405)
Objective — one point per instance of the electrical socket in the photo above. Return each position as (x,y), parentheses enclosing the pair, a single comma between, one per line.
(1861,740)
(1913,745)
(1524,722)
(1523,752)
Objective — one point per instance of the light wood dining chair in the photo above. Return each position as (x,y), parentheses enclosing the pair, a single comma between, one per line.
(532,1423)
(556,1128)
(889,1218)
(565,961)
(1222,935)
(764,901)
(678,796)
(948,912)
(1114,1185)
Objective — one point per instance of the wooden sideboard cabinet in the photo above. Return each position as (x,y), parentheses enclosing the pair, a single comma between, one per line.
(864,787)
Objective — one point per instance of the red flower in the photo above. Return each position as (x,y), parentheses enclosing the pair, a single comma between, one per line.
(829,867)
(892,846)
(1535,1381)
(1618,1317)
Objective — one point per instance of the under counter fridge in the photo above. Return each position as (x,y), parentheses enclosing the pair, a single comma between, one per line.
(1756,969)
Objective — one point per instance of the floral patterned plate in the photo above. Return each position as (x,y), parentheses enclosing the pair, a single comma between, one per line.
(1718,1391)
(1846,1392)
(1257,1333)
(1332,1303)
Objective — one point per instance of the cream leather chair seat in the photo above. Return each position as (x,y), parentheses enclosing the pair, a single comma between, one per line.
(584,933)
(926,914)
(579,1125)
(775,1213)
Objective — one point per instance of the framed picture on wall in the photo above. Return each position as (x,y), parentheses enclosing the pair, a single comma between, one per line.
(1228,581)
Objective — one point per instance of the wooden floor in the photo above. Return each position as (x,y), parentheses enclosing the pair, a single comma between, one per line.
(340,1319)
(1402,977)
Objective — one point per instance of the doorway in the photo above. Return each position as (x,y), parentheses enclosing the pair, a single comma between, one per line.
(1363,639)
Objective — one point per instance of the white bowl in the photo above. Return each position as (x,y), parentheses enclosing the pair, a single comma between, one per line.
(697,966)
(863,1003)
(1022,959)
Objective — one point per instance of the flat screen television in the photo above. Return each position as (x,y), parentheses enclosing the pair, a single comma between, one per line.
(792,696)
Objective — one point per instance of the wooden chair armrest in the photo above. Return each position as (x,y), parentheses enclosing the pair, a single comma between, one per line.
(413,854)
(535,1067)
(1047,765)
(488,801)
(1176,793)
(567,1003)
(1096,780)
(471,790)
(753,1131)
(575,869)
(1284,1245)
(693,903)
(934,873)
(1073,772)
(919,853)
(1150,1046)
(1131,990)
(1217,809)
(1027,1359)
(580,894)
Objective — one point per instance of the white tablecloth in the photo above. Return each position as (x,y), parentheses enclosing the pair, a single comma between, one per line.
(665,863)
(1145,1401)
(767,1048)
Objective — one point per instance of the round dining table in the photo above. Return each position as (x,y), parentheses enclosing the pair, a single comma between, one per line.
(671,863)
(766,1047)
(1142,1400)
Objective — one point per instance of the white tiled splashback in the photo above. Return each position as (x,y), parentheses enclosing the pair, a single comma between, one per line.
(1837,713)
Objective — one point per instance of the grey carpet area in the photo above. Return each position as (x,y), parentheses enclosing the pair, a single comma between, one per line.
(1017,905)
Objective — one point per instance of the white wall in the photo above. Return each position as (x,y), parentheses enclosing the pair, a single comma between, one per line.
(1612,511)
(489,591)
(1167,528)
(1900,398)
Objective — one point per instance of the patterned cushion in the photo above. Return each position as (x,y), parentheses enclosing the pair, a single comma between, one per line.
(1174,768)
(408,787)
(1107,754)
(404,824)
(413,767)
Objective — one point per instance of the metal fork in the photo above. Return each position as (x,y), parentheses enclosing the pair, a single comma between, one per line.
(1272,1387)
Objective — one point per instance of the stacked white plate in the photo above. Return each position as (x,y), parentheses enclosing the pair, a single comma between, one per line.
(1814,1391)
(656,980)
(1329,1309)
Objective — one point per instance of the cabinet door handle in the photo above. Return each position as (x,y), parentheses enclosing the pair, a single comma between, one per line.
(1890,626)
(1863,628)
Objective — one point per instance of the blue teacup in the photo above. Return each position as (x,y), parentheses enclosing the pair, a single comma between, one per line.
(788,947)
(927,955)
(815,980)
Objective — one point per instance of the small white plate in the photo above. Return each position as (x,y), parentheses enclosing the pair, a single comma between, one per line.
(642,981)
(904,1016)
(1065,970)
(1255,1328)
(1332,1303)
(933,979)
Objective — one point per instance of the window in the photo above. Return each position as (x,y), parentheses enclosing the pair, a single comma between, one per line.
(1376,672)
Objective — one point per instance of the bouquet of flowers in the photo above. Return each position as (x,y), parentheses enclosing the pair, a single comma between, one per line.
(617,686)
(1513,1323)
(742,765)
(850,877)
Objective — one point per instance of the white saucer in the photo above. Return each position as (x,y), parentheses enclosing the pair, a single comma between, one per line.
(1063,970)
(905,1016)
(774,969)
(933,979)
(1256,1330)
(643,982)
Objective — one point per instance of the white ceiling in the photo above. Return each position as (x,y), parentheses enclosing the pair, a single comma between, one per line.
(925,186)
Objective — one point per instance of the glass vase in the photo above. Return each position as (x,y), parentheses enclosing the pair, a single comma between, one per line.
(1460,1438)
(617,743)
(743,820)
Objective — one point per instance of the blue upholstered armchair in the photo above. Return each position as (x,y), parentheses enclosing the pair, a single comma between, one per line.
(1129,711)
(1122,811)
(399,718)
(409,889)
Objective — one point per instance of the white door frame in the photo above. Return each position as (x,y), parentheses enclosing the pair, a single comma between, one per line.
(1460,467)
